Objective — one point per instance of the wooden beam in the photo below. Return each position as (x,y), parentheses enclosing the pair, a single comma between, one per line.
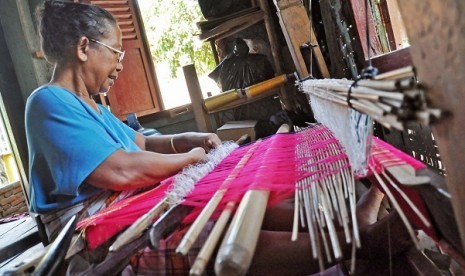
(393,60)
(435,29)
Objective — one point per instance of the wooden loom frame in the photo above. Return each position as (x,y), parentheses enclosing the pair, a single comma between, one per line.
(434,29)
(448,131)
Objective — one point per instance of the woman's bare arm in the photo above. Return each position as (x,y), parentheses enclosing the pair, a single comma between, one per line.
(128,170)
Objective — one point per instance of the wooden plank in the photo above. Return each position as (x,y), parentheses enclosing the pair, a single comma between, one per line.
(232,24)
(435,29)
(213,23)
(295,26)
(23,263)
(13,230)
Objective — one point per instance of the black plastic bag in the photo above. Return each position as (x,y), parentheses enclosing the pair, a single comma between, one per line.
(241,69)
(217,8)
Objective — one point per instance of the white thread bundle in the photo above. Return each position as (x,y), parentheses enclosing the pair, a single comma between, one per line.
(352,128)
(392,103)
(184,182)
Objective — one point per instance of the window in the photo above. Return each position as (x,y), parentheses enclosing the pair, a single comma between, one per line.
(387,30)
(149,84)
(9,170)
(390,24)
(136,90)
(389,45)
(170,29)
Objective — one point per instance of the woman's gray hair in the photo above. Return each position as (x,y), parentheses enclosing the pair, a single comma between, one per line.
(62,24)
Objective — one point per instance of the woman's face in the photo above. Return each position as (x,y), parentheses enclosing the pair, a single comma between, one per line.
(104,63)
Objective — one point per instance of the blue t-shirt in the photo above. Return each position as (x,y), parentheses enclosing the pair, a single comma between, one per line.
(67,140)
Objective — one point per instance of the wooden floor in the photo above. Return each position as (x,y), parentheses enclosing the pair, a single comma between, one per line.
(19,243)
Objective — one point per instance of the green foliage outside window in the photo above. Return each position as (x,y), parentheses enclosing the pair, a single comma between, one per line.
(171,27)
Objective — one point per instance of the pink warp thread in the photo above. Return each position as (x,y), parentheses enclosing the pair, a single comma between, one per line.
(278,163)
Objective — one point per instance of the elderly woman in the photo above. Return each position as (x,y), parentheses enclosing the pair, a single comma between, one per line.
(77,148)
(82,158)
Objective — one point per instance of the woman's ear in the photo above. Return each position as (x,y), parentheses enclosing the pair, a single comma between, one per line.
(82,49)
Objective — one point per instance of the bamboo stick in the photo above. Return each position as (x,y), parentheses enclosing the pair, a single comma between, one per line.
(402,97)
(236,252)
(391,102)
(365,90)
(311,211)
(310,223)
(206,252)
(192,234)
(316,221)
(295,224)
(407,199)
(315,215)
(396,74)
(387,120)
(389,85)
(331,229)
(140,225)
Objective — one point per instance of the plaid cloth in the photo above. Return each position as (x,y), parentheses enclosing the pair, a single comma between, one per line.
(55,221)
(165,261)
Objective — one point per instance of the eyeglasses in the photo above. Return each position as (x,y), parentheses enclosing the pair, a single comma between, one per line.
(120,53)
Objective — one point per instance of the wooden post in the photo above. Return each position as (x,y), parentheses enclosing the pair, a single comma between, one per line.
(271,32)
(215,52)
(275,51)
(345,53)
(435,29)
(201,116)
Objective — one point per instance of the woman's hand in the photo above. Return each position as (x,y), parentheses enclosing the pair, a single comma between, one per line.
(197,154)
(211,141)
(190,140)
(178,143)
